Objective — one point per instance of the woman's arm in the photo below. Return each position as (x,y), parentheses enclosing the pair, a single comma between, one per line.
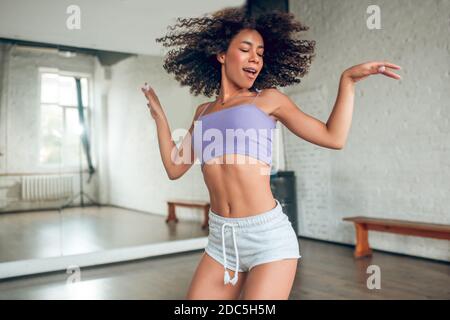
(172,157)
(175,162)
(301,124)
(332,134)
(338,124)
(183,162)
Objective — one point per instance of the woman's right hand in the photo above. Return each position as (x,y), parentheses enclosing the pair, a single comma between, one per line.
(153,102)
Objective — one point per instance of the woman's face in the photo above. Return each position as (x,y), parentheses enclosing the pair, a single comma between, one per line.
(245,51)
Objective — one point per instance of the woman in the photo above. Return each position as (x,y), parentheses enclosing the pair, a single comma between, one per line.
(252,249)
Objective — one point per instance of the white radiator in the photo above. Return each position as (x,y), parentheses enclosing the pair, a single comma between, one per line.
(49,187)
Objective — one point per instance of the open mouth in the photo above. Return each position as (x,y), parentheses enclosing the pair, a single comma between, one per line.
(250,72)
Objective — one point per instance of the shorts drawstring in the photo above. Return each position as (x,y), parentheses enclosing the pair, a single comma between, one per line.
(226,278)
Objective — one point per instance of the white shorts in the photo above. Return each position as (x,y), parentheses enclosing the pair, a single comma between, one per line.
(253,240)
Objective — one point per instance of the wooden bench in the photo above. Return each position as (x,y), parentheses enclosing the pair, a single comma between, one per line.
(411,228)
(173,203)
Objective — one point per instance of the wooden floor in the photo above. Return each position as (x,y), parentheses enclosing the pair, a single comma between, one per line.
(325,271)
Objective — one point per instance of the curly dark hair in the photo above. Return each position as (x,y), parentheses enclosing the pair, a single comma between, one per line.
(194,62)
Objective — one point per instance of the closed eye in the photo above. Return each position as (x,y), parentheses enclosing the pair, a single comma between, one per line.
(261,55)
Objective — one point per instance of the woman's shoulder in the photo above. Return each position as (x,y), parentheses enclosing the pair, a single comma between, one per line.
(270,100)
(270,92)
(201,108)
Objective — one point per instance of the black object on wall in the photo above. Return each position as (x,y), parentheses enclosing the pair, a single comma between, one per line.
(282,184)
(256,7)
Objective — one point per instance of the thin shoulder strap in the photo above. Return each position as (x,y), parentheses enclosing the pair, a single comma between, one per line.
(204,109)
(253,101)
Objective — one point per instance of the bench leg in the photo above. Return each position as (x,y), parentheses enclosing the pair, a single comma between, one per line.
(362,241)
(206,217)
(171,213)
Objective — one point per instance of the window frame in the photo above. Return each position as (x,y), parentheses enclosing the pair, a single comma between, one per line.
(88,113)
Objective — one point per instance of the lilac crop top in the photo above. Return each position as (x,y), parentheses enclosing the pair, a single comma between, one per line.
(242,129)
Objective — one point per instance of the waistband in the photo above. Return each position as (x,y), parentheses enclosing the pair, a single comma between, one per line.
(259,218)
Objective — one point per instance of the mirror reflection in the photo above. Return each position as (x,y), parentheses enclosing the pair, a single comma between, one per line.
(79,154)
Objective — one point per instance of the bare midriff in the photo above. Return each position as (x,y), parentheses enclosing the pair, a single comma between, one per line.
(238,185)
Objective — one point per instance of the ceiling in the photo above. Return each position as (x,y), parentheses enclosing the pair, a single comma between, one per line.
(126,26)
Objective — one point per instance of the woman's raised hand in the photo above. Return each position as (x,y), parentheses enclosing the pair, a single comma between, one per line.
(153,102)
(363,70)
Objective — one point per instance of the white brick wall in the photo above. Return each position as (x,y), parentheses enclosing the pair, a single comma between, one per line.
(395,163)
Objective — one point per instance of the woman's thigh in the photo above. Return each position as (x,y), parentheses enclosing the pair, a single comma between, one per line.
(207,282)
(271,280)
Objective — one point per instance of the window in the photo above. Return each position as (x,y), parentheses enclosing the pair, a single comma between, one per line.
(60,129)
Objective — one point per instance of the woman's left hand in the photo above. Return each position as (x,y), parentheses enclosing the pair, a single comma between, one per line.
(363,70)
